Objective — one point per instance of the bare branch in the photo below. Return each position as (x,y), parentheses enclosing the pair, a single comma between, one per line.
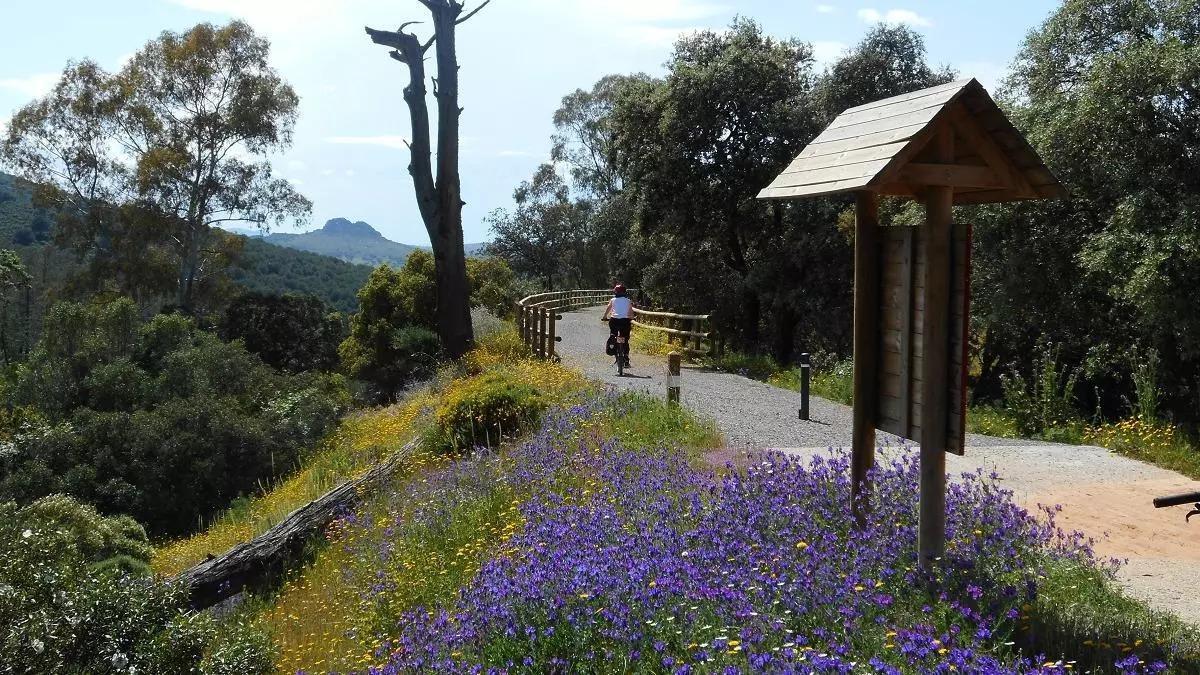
(387,38)
(473,12)
(425,47)
(407,24)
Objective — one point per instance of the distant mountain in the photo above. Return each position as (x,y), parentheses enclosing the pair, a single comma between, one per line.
(353,242)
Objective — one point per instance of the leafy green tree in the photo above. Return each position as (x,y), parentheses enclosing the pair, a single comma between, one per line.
(1117,263)
(292,333)
(391,342)
(888,61)
(141,165)
(156,419)
(695,148)
(547,235)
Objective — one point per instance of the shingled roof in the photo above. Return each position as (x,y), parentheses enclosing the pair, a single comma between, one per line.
(879,147)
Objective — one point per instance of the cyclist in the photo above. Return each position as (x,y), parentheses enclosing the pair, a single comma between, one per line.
(619,315)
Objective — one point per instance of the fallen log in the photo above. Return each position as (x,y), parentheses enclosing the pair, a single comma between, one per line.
(266,556)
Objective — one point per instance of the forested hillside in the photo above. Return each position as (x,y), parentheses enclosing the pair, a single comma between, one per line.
(261,266)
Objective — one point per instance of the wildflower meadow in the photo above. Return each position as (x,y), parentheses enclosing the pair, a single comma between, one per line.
(587,549)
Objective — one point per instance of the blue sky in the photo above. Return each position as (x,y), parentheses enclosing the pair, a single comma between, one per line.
(518,58)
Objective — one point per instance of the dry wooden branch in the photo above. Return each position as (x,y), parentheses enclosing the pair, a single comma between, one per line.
(267,556)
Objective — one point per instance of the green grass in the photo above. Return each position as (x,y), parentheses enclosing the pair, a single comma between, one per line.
(652,422)
(1080,614)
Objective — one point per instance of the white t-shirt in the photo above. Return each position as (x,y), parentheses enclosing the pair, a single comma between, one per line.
(622,308)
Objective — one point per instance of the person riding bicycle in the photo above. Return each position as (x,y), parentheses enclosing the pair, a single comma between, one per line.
(619,315)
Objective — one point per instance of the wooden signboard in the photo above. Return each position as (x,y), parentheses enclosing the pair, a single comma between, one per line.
(945,145)
(902,307)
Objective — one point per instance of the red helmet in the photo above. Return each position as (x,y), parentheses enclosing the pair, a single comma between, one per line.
(619,289)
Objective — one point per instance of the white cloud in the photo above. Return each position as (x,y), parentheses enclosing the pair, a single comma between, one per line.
(396,142)
(825,9)
(296,165)
(827,51)
(31,86)
(893,16)
(349,173)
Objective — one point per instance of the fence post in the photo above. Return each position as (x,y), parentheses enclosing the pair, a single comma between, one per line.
(550,337)
(805,370)
(541,330)
(673,360)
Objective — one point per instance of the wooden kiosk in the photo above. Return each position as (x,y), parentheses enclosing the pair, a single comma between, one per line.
(945,145)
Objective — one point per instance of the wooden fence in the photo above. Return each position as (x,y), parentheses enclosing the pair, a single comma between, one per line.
(538,314)
(693,333)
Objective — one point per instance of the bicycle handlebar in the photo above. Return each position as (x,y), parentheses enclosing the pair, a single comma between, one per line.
(1177,500)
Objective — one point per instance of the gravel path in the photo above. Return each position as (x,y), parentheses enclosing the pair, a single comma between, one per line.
(1103,494)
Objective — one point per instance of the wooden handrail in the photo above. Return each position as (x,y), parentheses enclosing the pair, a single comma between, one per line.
(670,315)
(673,331)
(537,315)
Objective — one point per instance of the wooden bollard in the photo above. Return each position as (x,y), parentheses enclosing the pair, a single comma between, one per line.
(673,362)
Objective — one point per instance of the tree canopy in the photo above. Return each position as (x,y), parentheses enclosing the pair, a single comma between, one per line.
(141,165)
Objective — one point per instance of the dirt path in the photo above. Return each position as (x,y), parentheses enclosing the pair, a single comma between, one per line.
(1102,494)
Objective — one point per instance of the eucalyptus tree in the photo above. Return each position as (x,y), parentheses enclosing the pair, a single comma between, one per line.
(141,165)
(439,198)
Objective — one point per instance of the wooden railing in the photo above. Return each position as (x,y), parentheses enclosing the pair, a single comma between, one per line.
(692,332)
(538,314)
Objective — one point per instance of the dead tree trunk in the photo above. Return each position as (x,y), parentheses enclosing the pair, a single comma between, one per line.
(266,557)
(440,200)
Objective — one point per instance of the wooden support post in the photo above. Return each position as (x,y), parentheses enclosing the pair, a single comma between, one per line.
(541,333)
(550,336)
(522,324)
(673,362)
(935,381)
(866,348)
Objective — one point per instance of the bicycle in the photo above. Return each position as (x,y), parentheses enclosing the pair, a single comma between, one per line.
(622,355)
(1192,498)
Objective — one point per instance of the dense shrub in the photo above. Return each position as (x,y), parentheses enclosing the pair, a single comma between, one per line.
(486,409)
(75,598)
(293,333)
(391,340)
(159,419)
